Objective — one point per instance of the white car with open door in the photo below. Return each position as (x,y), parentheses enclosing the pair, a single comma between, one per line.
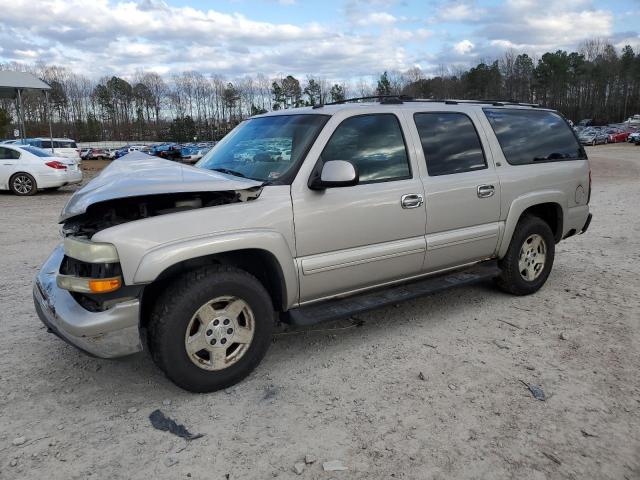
(25,169)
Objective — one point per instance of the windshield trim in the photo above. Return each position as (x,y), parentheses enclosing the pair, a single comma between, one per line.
(290,175)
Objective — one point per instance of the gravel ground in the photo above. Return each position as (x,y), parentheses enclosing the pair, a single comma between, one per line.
(428,389)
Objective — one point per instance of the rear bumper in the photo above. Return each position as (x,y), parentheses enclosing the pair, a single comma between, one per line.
(108,334)
(59,179)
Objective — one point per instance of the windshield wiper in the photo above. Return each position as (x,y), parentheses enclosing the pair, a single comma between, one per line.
(230,172)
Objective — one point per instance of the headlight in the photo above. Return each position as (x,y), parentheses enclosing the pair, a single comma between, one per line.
(91,252)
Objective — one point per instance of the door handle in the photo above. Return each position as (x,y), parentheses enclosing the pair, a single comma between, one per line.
(485,191)
(411,200)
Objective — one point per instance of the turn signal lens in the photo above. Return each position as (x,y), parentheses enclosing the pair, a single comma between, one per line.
(104,285)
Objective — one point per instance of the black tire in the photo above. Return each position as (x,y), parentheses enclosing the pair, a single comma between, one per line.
(23,184)
(511,280)
(175,308)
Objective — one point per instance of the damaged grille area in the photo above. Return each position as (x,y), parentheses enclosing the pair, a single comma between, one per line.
(102,215)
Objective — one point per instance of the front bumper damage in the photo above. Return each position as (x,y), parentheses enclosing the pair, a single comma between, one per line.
(107,334)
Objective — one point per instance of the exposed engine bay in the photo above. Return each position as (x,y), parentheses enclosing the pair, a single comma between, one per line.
(109,213)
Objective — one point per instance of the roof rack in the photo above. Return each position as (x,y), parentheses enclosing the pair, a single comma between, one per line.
(398,99)
(383,99)
(496,103)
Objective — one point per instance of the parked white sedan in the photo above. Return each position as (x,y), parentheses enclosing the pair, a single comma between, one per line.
(25,169)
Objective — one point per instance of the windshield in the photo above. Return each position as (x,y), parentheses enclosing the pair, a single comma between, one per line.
(264,148)
(38,152)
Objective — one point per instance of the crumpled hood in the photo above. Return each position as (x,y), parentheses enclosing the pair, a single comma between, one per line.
(137,174)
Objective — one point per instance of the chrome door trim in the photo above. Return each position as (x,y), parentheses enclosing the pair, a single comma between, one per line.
(462,235)
(324,262)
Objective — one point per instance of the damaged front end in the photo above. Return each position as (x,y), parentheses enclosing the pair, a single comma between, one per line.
(139,186)
(114,212)
(132,188)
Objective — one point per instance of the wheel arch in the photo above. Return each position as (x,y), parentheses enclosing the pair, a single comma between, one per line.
(260,263)
(546,205)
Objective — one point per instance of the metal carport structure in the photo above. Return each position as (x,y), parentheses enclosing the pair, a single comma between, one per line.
(13,84)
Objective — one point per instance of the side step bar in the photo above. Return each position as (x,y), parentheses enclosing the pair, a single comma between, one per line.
(337,308)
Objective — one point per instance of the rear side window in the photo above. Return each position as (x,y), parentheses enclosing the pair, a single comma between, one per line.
(528,136)
(8,154)
(374,144)
(450,143)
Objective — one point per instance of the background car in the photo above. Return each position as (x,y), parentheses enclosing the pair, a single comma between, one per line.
(593,136)
(192,153)
(634,137)
(62,147)
(97,154)
(25,169)
(128,149)
(617,135)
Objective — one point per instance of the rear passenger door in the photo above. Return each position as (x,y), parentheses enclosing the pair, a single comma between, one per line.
(461,187)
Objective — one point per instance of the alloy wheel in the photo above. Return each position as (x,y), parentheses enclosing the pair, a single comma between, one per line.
(219,333)
(533,254)
(22,184)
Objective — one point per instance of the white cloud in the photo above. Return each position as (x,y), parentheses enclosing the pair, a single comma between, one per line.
(457,11)
(377,18)
(463,47)
(103,37)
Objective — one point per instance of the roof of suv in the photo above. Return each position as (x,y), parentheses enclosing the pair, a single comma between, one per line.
(397,103)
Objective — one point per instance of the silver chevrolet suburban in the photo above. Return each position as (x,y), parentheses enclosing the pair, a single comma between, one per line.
(309,215)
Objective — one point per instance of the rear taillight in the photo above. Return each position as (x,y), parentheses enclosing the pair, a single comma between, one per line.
(57,165)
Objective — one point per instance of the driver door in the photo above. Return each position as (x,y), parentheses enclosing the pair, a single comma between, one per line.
(355,237)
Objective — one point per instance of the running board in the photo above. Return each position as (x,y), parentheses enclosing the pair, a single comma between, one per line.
(337,308)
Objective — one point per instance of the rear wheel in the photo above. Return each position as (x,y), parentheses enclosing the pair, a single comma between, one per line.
(528,262)
(211,328)
(23,184)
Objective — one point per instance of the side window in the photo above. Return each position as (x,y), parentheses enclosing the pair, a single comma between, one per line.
(528,136)
(450,143)
(374,144)
(8,154)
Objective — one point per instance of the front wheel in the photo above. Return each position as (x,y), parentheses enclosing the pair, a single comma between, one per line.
(528,262)
(211,327)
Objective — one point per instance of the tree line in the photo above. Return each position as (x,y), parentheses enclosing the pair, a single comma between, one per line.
(597,82)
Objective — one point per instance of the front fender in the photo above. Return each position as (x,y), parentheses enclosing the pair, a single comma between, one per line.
(520,204)
(160,258)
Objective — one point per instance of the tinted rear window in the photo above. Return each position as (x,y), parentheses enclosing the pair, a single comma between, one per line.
(528,136)
(64,144)
(450,143)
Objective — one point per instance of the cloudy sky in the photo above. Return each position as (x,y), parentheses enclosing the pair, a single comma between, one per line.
(333,38)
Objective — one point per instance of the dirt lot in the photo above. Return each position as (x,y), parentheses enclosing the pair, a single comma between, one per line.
(356,394)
